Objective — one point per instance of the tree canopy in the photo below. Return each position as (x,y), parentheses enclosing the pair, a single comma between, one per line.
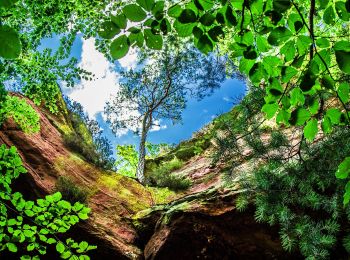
(297,51)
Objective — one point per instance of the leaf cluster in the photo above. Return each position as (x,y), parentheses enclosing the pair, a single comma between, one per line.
(30,227)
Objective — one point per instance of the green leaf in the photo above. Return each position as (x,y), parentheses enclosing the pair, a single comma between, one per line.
(207,19)
(288,73)
(343,170)
(327,82)
(28,233)
(187,16)
(314,106)
(282,5)
(329,15)
(136,38)
(175,11)
(283,116)
(30,247)
(60,247)
(257,73)
(342,46)
(262,44)
(7,3)
(297,97)
(326,125)
(307,81)
(279,36)
(158,10)
(134,13)
(12,247)
(288,50)
(83,216)
(10,44)
(165,26)
(183,30)
(334,115)
(347,194)
(342,54)
(120,20)
(245,65)
(247,38)
(322,43)
(299,117)
(271,65)
(275,88)
(303,44)
(83,245)
(146,4)
(220,18)
(204,44)
(343,92)
(108,30)
(341,10)
(323,3)
(57,196)
(66,254)
(230,17)
(311,129)
(197,32)
(250,53)
(216,33)
(270,110)
(206,4)
(51,241)
(119,47)
(153,41)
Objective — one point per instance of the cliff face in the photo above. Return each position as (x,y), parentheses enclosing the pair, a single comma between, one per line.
(126,221)
(112,200)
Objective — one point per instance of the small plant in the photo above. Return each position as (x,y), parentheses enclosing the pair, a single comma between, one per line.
(162,177)
(71,191)
(127,158)
(28,228)
(22,113)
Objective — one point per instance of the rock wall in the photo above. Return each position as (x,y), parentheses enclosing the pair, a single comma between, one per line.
(125,222)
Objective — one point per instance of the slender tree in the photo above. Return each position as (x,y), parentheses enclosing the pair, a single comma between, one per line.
(159,91)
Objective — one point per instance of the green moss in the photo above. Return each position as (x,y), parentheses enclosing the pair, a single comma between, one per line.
(136,196)
(161,195)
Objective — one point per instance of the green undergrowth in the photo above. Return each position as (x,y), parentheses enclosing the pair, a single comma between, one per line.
(163,176)
(71,191)
(184,151)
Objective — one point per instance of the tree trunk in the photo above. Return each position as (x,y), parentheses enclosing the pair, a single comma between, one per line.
(140,172)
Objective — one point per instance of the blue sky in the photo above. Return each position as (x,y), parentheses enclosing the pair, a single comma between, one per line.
(93,95)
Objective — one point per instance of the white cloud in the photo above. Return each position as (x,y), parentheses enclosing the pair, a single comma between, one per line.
(227,99)
(158,126)
(93,95)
